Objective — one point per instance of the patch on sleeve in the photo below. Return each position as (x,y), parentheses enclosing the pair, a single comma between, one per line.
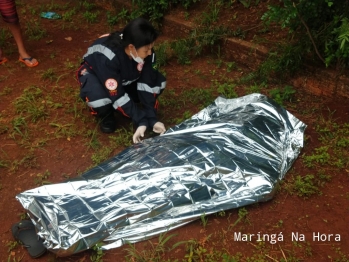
(111,84)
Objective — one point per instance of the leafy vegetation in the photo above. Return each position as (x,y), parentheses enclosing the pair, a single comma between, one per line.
(155,10)
(97,254)
(318,30)
(280,95)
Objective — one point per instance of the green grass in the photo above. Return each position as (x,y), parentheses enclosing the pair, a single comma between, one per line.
(33,104)
(49,74)
(97,253)
(122,138)
(64,130)
(204,220)
(282,95)
(91,17)
(6,91)
(35,30)
(319,157)
(334,138)
(28,161)
(305,186)
(242,217)
(153,252)
(69,15)
(42,179)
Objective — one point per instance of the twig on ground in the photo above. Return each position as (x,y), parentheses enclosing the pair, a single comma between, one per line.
(271,258)
(283,254)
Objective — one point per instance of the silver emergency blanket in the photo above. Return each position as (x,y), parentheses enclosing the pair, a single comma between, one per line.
(231,154)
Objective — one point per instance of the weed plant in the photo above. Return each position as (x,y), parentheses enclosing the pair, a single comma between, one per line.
(6,90)
(122,17)
(122,138)
(42,179)
(28,161)
(182,50)
(204,220)
(49,74)
(88,5)
(69,14)
(97,253)
(162,51)
(225,89)
(19,125)
(64,130)
(32,103)
(211,13)
(305,186)
(101,155)
(319,157)
(335,140)
(91,17)
(155,10)
(282,95)
(200,97)
(153,252)
(34,30)
(3,163)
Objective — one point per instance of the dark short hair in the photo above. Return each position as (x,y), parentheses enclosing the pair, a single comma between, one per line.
(139,32)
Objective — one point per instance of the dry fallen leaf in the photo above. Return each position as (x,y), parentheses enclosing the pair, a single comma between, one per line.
(68,38)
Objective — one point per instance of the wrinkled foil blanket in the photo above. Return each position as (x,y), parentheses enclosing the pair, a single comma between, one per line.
(231,154)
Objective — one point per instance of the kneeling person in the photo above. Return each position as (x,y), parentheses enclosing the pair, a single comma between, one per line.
(117,73)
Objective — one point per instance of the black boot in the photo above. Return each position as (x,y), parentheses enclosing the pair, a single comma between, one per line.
(107,124)
(105,115)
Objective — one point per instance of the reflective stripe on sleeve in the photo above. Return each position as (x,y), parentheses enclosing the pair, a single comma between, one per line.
(152,90)
(99,102)
(129,82)
(121,101)
(100,49)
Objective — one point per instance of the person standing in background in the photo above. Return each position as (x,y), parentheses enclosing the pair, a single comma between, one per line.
(9,14)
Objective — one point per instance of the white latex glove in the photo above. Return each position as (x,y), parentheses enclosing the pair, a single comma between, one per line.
(159,128)
(138,134)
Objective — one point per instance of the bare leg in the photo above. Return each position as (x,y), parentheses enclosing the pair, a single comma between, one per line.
(17,34)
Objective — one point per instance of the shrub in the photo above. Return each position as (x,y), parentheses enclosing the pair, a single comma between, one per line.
(319,27)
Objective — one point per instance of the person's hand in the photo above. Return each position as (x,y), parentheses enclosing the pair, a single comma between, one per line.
(138,134)
(159,128)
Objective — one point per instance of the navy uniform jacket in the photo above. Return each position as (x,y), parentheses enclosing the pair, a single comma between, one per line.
(116,71)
